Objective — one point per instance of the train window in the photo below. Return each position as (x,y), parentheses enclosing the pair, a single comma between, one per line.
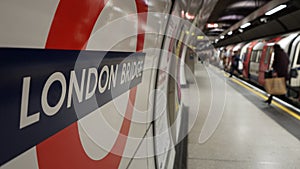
(258,56)
(268,54)
(244,56)
(253,56)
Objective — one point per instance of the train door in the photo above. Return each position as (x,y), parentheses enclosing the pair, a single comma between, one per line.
(246,63)
(254,61)
(264,64)
(238,48)
(295,64)
(228,55)
(290,45)
(243,55)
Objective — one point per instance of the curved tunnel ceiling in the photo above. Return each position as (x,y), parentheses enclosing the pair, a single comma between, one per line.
(285,21)
(229,15)
(228,12)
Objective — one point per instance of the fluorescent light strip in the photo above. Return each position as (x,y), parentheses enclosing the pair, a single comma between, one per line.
(274,10)
(245,25)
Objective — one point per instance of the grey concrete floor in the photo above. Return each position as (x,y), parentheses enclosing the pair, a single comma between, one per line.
(245,138)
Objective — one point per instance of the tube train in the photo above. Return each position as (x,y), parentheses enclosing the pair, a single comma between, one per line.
(94,84)
(257,57)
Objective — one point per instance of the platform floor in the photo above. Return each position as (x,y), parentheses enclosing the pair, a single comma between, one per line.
(247,137)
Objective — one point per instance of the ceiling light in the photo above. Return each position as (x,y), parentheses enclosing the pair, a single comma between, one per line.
(222,37)
(182,14)
(274,10)
(229,33)
(212,25)
(245,25)
(246,4)
(263,20)
(231,17)
(216,30)
(241,30)
(189,16)
(200,37)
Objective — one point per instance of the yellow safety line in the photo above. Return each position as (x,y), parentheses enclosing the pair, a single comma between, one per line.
(265,97)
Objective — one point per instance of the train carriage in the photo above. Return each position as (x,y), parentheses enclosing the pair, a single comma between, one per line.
(257,57)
